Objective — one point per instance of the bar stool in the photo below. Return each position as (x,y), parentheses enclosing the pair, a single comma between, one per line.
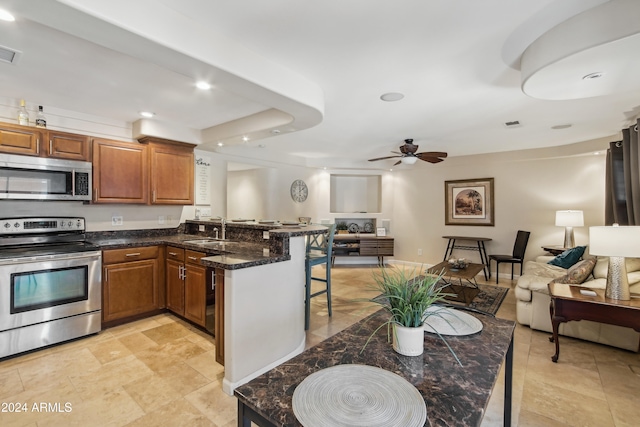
(319,247)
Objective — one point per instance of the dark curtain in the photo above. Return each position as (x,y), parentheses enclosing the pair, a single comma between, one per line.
(622,203)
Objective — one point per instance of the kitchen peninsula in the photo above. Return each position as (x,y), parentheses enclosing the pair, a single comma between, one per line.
(262,266)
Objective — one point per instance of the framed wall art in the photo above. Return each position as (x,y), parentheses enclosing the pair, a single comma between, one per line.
(469,202)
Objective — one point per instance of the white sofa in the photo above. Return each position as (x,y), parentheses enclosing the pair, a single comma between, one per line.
(532,302)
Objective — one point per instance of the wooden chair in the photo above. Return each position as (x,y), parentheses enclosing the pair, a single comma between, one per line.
(517,257)
(319,247)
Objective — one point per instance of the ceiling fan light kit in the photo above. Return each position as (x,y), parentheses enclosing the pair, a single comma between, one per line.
(408,155)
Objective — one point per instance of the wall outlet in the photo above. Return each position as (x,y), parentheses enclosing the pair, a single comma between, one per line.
(116,220)
(201,228)
(265,234)
(161,219)
(205,212)
(419,251)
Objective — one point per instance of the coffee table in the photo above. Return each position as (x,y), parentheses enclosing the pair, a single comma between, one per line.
(468,274)
(568,303)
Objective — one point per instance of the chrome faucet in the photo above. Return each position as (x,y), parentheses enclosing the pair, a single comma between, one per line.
(223,223)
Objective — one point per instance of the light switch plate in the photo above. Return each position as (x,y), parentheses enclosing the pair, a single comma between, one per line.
(116,220)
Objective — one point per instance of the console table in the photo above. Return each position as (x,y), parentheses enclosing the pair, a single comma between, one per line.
(479,246)
(455,395)
(357,244)
(567,303)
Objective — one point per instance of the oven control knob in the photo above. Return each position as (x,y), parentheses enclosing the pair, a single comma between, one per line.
(61,224)
(70,223)
(16,225)
(7,225)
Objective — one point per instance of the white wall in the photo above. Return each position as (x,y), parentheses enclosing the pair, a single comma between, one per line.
(529,187)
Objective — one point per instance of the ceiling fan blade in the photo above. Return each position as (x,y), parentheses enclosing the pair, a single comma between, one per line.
(431,159)
(397,163)
(396,152)
(433,154)
(383,158)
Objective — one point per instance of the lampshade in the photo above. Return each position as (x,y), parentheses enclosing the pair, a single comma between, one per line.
(569,218)
(615,241)
(408,160)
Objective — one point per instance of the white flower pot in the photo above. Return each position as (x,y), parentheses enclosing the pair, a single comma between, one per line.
(408,341)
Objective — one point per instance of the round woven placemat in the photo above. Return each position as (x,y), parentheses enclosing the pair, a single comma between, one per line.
(358,396)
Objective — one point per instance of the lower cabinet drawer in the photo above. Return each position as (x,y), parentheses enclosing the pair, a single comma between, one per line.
(112,256)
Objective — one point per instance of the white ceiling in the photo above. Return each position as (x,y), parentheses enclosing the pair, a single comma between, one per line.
(315,71)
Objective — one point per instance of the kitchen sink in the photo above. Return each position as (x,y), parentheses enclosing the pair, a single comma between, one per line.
(201,241)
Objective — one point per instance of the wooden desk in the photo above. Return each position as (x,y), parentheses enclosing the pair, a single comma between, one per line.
(479,246)
(567,303)
(455,395)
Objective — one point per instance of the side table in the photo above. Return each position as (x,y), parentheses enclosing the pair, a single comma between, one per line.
(568,303)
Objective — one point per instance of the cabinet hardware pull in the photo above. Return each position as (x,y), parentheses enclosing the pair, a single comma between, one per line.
(193,258)
(50,146)
(173,253)
(37,145)
(154,196)
(133,254)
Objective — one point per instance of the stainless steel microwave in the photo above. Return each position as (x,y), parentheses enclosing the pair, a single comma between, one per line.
(39,178)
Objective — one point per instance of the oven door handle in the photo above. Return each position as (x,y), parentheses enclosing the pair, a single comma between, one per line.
(89,256)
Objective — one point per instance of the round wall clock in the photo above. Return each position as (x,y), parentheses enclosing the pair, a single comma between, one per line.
(299,191)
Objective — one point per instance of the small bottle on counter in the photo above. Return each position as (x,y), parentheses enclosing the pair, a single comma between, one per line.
(23,114)
(41,120)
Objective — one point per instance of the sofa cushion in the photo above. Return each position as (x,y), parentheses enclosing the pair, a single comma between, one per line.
(569,257)
(533,268)
(578,273)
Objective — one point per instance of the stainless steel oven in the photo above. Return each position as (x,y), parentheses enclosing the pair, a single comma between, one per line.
(50,283)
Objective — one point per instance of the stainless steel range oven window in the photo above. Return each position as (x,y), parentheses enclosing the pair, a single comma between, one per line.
(34,290)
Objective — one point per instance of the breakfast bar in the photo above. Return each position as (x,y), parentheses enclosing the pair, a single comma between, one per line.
(454,395)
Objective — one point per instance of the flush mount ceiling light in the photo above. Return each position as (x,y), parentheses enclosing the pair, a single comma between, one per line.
(147,114)
(391,96)
(202,85)
(6,16)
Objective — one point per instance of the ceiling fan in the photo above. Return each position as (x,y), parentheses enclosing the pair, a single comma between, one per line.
(408,155)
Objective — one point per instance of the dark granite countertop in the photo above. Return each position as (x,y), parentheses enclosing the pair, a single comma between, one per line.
(455,395)
(233,255)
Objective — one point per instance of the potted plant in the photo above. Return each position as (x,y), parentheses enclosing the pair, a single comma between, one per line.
(342,227)
(407,299)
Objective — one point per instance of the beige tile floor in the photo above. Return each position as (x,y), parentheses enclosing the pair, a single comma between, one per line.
(161,371)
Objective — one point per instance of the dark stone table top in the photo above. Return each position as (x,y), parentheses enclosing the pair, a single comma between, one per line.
(455,395)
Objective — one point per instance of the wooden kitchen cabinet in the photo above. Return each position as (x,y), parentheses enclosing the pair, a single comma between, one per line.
(170,171)
(16,139)
(120,172)
(186,282)
(130,282)
(70,146)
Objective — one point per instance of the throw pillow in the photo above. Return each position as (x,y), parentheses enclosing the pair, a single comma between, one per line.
(569,257)
(578,273)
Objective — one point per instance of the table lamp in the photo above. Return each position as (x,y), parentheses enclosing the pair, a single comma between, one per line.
(616,243)
(568,220)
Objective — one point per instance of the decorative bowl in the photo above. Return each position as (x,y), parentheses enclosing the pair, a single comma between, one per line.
(458,264)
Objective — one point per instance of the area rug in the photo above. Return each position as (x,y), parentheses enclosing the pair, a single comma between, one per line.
(486,298)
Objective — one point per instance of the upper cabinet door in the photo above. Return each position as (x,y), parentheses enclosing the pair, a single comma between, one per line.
(120,172)
(15,139)
(171,173)
(62,145)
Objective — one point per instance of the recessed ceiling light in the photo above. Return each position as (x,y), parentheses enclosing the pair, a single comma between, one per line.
(245,138)
(147,114)
(202,85)
(6,16)
(592,76)
(568,125)
(220,144)
(392,96)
